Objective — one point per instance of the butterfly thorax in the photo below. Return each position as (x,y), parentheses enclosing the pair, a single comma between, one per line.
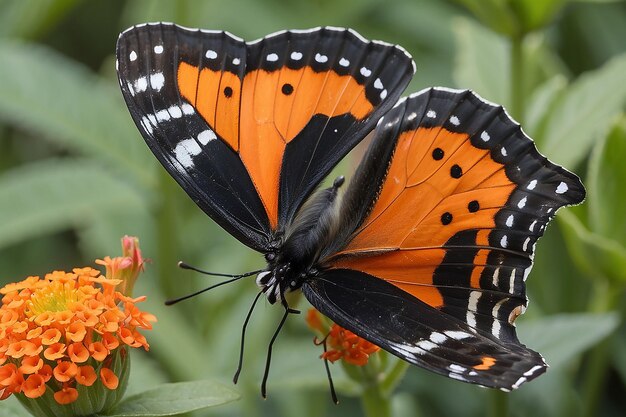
(300,249)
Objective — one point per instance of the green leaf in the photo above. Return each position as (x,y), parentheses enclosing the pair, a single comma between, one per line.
(31,18)
(482,62)
(594,254)
(495,14)
(585,112)
(174,399)
(12,408)
(55,195)
(607,176)
(561,338)
(540,104)
(533,14)
(66,103)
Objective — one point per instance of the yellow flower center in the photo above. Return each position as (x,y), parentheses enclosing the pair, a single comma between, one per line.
(53,298)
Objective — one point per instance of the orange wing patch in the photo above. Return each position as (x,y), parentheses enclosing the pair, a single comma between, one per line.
(259,116)
(216,96)
(438,185)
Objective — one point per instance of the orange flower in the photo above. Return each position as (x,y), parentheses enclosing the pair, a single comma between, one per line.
(341,343)
(68,329)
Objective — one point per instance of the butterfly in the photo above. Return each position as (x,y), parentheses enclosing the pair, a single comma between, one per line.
(424,252)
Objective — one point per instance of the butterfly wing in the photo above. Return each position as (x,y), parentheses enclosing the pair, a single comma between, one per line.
(446,207)
(250,129)
(411,329)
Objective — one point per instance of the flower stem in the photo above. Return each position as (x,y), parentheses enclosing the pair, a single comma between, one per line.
(394,376)
(606,298)
(375,402)
(166,233)
(499,403)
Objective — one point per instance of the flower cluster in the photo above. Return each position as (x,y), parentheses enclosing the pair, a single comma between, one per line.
(67,331)
(341,343)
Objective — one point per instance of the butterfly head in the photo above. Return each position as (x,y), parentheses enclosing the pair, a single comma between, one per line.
(278,280)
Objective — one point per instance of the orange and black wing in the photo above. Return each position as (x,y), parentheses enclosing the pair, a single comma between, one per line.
(250,129)
(439,229)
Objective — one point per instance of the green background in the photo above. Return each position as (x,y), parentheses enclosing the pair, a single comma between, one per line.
(75,176)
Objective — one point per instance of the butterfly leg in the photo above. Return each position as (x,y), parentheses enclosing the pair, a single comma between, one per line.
(269,349)
(243,337)
(333,394)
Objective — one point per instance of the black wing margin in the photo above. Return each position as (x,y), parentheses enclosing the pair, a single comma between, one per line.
(418,333)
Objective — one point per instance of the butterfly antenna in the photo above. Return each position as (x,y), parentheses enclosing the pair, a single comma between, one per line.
(333,394)
(183,265)
(243,337)
(269,350)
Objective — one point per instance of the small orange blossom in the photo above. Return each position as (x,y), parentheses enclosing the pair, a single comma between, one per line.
(341,343)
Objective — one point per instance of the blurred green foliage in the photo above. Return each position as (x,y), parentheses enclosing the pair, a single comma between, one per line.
(75,176)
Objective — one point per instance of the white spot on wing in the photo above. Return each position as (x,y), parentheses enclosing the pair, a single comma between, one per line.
(206,136)
(455,120)
(527,272)
(485,136)
(509,221)
(532,184)
(503,151)
(344,62)
(532,226)
(366,72)
(186,150)
(211,54)
(472,305)
(533,370)
(496,277)
(519,382)
(158,49)
(512,281)
(321,58)
(162,115)
(525,245)
(504,241)
(132,56)
(437,337)
(383,94)
(378,84)
(431,114)
(272,57)
(141,84)
(236,61)
(187,109)
(296,56)
(454,375)
(562,188)
(456,368)
(426,345)
(411,116)
(157,81)
(176,112)
(145,122)
(522,202)
(457,334)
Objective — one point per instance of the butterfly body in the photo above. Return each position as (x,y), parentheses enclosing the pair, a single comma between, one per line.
(424,251)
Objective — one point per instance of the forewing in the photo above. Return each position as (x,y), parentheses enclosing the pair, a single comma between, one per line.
(267,119)
(154,62)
